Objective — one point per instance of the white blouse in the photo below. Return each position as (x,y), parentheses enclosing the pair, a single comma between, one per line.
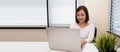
(86,33)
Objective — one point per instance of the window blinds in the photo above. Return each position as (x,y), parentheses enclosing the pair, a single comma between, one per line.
(23,13)
(115,16)
(61,12)
(80,2)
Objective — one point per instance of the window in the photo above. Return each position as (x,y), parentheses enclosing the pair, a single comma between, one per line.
(23,13)
(80,2)
(38,13)
(62,12)
(115,17)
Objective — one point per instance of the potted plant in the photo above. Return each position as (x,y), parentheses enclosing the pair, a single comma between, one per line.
(106,43)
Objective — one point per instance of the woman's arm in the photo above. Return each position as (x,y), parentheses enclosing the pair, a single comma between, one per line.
(90,34)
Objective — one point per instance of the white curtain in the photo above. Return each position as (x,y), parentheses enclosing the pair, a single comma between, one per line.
(115,16)
(23,13)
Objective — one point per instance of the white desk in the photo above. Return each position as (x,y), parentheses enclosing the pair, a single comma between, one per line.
(25,47)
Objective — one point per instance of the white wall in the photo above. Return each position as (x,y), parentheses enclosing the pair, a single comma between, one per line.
(98,10)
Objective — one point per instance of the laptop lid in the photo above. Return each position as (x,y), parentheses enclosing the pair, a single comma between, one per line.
(64,39)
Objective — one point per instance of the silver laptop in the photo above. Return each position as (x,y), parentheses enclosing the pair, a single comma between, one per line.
(64,39)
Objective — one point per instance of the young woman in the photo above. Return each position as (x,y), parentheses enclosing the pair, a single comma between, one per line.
(87,30)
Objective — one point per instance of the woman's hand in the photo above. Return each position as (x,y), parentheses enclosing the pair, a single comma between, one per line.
(83,41)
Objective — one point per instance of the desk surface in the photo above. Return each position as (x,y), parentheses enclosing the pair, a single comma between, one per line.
(25,47)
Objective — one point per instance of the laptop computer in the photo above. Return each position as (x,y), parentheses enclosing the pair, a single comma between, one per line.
(64,39)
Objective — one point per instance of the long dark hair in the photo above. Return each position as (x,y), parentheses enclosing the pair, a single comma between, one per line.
(86,13)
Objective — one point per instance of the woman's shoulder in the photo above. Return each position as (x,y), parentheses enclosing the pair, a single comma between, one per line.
(74,26)
(91,25)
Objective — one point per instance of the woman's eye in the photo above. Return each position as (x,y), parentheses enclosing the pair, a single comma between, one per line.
(82,14)
(78,15)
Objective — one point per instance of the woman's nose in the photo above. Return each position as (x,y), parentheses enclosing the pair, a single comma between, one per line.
(80,16)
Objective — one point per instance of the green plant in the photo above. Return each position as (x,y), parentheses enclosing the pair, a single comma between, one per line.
(106,43)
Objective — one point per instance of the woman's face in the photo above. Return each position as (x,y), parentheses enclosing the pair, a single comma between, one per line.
(81,16)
